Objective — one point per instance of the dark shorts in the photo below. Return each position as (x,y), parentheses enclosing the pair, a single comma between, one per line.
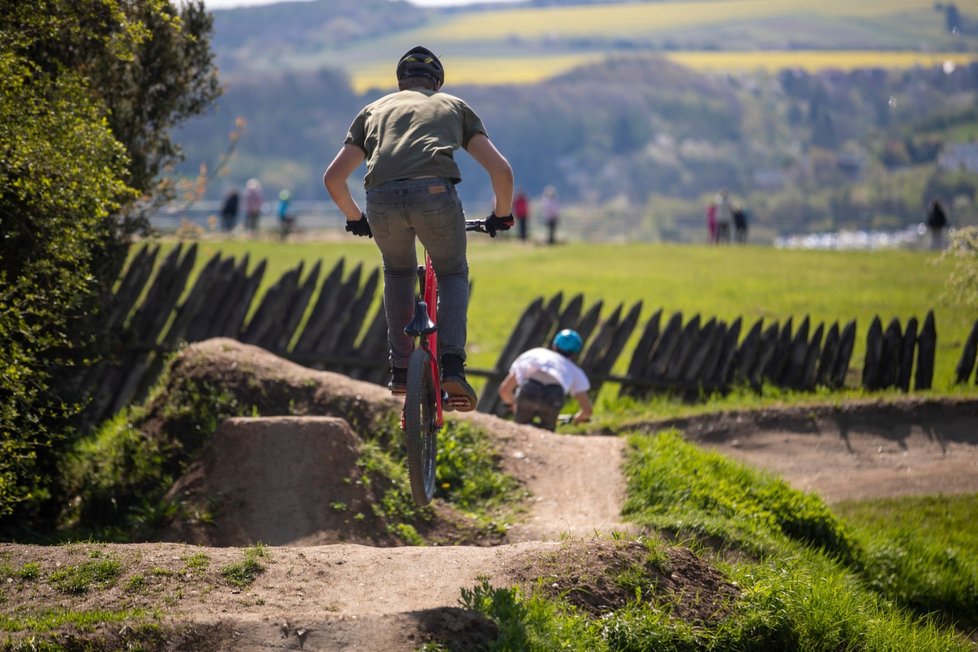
(538,403)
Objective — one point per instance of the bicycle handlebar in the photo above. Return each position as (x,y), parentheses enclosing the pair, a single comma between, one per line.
(476,225)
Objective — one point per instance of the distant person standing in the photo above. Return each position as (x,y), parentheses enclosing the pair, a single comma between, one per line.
(253,203)
(521,211)
(550,211)
(724,216)
(229,210)
(286,221)
(711,222)
(741,219)
(936,223)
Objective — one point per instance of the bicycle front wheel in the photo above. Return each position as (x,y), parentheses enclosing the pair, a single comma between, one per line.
(420,426)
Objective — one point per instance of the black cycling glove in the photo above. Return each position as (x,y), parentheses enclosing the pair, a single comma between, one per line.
(495,223)
(359,227)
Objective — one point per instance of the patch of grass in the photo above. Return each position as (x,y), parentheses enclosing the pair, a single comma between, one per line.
(247,570)
(805,588)
(29,571)
(467,472)
(384,472)
(529,623)
(79,579)
(51,620)
(920,551)
(136,583)
(197,562)
(675,485)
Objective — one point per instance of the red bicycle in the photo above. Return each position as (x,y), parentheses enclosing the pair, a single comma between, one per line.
(422,417)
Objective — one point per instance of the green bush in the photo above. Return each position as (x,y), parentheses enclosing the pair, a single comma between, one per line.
(60,181)
(84,122)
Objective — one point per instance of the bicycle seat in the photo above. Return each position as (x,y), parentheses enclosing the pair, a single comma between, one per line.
(421,324)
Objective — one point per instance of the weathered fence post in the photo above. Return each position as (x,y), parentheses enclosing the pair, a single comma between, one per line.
(926,350)
(907,347)
(967,361)
(874,355)
(641,354)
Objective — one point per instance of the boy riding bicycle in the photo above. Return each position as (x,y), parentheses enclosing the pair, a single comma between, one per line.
(407,139)
(540,379)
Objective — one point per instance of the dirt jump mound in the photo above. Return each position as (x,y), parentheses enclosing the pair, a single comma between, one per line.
(278,480)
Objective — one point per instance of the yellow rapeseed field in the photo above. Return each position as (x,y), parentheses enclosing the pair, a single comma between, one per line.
(532,69)
(815,60)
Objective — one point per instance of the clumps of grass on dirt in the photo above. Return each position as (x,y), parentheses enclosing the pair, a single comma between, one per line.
(131,629)
(247,570)
(604,595)
(97,573)
(58,619)
(197,563)
(27,572)
(654,596)
(467,470)
(469,480)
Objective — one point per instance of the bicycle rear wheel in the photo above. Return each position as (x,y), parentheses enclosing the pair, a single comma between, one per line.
(420,426)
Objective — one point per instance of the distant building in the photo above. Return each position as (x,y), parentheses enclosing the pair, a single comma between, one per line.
(769,179)
(959,156)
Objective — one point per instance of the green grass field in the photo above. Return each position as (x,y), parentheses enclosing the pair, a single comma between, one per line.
(724,282)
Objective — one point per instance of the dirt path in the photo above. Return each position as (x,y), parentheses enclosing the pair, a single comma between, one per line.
(576,483)
(340,596)
(857,451)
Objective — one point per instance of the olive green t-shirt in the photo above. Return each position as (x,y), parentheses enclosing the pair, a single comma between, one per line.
(413,133)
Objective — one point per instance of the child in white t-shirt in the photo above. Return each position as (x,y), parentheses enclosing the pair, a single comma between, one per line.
(541,378)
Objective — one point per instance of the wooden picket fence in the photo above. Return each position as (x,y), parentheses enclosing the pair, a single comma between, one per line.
(346,332)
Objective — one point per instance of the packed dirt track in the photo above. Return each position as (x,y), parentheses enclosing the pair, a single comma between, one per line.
(330,583)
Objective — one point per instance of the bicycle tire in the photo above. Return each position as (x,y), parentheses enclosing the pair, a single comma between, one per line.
(420,426)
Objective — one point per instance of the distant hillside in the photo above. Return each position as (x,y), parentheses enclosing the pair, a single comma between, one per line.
(262,37)
(362,37)
(629,131)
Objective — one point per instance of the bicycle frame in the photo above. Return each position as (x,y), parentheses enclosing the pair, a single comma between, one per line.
(430,341)
(423,416)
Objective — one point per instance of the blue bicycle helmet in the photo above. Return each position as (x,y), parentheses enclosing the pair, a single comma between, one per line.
(421,62)
(568,342)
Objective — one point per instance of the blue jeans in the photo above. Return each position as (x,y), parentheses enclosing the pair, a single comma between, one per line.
(401,212)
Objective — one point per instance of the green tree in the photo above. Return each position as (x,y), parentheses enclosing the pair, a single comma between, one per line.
(961,261)
(90,91)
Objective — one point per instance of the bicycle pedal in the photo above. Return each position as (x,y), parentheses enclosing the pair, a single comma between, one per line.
(459,403)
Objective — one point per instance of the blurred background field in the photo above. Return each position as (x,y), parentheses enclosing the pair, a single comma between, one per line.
(751,282)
